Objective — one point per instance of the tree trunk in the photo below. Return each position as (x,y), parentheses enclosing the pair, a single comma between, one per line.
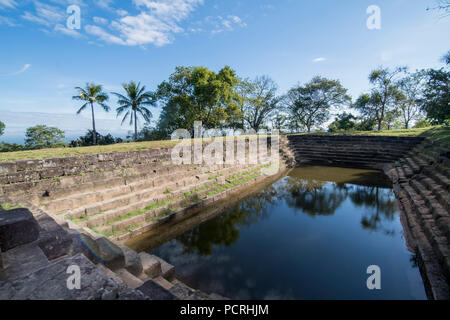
(135,126)
(94,134)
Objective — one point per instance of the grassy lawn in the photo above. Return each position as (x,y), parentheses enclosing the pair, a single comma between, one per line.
(438,133)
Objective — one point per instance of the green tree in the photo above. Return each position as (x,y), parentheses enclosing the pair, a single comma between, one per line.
(343,122)
(41,136)
(2,128)
(310,105)
(134,103)
(411,88)
(436,96)
(92,94)
(259,101)
(198,94)
(384,96)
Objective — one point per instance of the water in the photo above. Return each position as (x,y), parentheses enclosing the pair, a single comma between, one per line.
(310,235)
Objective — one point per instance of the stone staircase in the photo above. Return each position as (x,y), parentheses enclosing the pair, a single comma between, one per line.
(350,151)
(33,266)
(422,185)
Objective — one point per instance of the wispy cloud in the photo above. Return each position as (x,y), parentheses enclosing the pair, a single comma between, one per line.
(7,21)
(45,14)
(22,70)
(319,59)
(222,24)
(7,4)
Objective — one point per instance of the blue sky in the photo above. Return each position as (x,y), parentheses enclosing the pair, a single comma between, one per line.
(41,60)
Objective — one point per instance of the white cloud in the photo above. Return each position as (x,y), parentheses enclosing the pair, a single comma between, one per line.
(22,70)
(221,24)
(104,4)
(156,23)
(69,32)
(7,4)
(122,12)
(100,20)
(45,14)
(7,21)
(319,59)
(103,35)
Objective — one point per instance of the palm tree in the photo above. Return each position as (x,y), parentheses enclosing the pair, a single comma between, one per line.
(92,94)
(133,103)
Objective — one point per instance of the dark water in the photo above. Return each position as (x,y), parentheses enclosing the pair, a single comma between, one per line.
(311,235)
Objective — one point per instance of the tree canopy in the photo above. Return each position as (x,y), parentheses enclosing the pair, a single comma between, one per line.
(41,136)
(310,104)
(198,94)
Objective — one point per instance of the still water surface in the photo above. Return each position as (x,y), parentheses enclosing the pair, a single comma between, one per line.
(310,235)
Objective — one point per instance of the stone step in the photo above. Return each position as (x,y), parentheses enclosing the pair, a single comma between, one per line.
(147,226)
(435,236)
(61,205)
(182,202)
(131,280)
(438,191)
(22,260)
(344,157)
(163,283)
(431,269)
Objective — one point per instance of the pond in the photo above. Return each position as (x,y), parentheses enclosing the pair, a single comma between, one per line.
(310,235)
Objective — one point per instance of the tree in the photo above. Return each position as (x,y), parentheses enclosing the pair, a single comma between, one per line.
(92,94)
(134,103)
(41,136)
(310,105)
(343,122)
(411,88)
(384,95)
(88,140)
(259,101)
(198,94)
(436,96)
(2,128)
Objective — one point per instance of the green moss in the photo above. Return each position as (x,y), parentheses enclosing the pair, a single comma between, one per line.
(9,206)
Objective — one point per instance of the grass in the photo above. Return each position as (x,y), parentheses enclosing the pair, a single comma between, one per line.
(9,206)
(437,133)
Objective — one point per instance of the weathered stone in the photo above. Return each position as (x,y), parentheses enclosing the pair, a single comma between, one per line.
(17,227)
(167,270)
(23,260)
(129,279)
(156,292)
(8,167)
(51,283)
(181,291)
(132,261)
(150,264)
(110,254)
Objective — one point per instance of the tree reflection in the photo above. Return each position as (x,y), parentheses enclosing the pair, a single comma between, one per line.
(224,229)
(312,197)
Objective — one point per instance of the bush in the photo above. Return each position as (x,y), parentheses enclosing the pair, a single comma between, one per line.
(88,140)
(10,147)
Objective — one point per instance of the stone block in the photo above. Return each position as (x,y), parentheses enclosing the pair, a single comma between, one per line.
(150,264)
(132,261)
(155,292)
(110,254)
(17,227)
(8,167)
(50,283)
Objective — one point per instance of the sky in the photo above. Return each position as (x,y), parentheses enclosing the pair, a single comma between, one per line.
(46,51)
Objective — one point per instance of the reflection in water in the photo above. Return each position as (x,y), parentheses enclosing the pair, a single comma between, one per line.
(310,235)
